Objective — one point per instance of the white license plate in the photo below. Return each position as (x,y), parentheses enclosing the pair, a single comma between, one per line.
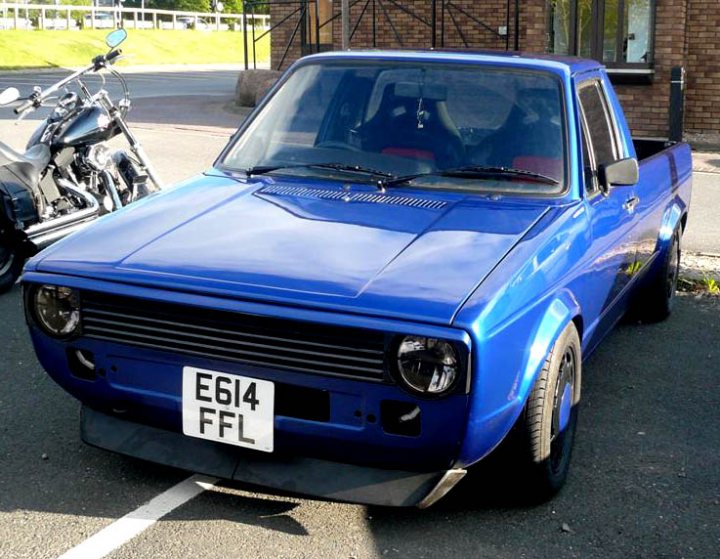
(228,408)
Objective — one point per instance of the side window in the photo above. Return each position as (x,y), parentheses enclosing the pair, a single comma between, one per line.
(599,124)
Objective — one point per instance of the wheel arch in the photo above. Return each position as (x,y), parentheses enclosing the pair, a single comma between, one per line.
(563,310)
(675,214)
(488,426)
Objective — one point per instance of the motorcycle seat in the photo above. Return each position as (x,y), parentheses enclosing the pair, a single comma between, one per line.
(38,156)
(31,163)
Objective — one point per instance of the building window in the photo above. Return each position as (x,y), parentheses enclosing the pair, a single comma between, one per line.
(618,33)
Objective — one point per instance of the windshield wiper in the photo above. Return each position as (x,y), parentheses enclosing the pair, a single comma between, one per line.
(342,167)
(476,171)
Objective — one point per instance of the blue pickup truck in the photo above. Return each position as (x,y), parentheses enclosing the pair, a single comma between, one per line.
(399,262)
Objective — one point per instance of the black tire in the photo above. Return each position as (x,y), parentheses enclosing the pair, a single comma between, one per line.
(545,431)
(11,263)
(655,299)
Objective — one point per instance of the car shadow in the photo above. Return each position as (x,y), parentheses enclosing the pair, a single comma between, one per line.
(645,467)
(226,503)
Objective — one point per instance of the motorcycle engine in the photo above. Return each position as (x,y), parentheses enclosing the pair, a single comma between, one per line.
(98,157)
(98,172)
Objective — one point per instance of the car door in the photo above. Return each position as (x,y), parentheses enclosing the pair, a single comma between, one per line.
(610,211)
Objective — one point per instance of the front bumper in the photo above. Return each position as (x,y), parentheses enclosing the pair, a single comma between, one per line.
(309,476)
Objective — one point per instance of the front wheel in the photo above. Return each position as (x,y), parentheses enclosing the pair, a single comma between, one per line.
(546,429)
(10,266)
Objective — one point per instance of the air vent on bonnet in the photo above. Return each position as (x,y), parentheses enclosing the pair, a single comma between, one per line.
(366,197)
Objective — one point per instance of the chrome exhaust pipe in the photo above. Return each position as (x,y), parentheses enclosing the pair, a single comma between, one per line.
(46,233)
(47,239)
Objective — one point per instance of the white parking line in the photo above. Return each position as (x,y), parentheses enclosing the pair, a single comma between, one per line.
(126,528)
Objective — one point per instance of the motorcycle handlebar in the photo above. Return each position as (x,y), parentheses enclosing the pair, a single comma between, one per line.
(22,107)
(102,60)
(36,99)
(113,55)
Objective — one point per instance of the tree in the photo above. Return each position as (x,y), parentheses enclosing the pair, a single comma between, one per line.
(180,5)
(192,5)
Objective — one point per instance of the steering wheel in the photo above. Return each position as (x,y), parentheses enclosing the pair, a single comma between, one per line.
(335,144)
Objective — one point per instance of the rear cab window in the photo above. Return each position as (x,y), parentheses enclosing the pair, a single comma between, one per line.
(599,134)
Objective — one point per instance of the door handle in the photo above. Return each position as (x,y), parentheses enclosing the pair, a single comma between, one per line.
(630,204)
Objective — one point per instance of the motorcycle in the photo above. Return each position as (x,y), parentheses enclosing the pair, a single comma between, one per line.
(68,175)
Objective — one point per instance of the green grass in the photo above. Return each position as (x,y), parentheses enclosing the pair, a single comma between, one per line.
(48,49)
(705,286)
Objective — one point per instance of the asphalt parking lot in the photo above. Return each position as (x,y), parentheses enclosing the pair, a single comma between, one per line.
(645,480)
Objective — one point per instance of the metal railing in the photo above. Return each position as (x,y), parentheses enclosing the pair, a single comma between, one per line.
(447,23)
(23,16)
(299,17)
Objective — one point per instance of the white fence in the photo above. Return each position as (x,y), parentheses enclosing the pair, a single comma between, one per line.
(22,16)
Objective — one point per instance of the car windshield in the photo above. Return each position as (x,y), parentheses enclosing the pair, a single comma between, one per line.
(463,126)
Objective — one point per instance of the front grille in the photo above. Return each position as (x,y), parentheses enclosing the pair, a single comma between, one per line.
(236,337)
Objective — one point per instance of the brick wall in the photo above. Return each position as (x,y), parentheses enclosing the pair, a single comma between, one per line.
(687,32)
(281,35)
(463,30)
(533,26)
(409,27)
(646,106)
(464,23)
(702,114)
(413,30)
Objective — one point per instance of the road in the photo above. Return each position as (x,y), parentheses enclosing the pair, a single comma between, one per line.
(703,230)
(141,84)
(645,480)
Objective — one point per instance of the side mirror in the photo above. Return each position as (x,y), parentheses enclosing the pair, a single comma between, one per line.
(115,38)
(624,172)
(9,95)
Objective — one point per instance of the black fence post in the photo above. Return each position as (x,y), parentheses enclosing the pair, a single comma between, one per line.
(677,104)
(433,26)
(517,25)
(305,49)
(507,26)
(245,36)
(442,23)
(317,25)
(254,41)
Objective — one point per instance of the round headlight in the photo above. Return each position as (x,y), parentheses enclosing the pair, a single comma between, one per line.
(427,365)
(57,310)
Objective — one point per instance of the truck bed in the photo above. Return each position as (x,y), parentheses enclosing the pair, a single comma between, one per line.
(647,147)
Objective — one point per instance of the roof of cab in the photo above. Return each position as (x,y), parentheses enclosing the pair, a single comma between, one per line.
(565,64)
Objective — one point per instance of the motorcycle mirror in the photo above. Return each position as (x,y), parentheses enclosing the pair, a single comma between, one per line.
(9,95)
(115,38)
